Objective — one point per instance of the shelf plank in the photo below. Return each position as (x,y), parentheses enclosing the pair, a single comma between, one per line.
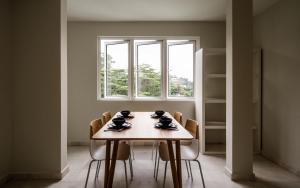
(216,76)
(215,100)
(215,123)
(215,127)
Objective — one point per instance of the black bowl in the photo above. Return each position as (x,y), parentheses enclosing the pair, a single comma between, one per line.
(119,121)
(165,121)
(159,113)
(125,113)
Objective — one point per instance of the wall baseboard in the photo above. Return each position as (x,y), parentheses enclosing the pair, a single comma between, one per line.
(65,171)
(282,164)
(239,176)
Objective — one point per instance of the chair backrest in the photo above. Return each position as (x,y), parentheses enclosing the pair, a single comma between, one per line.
(95,126)
(178,117)
(106,116)
(193,127)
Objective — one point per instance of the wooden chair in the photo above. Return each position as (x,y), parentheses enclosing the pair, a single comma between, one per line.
(192,127)
(178,117)
(106,116)
(97,152)
(189,153)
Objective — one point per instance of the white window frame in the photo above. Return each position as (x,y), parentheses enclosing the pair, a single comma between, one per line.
(131,67)
(194,42)
(105,71)
(136,70)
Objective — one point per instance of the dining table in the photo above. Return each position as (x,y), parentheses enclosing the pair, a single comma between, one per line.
(143,128)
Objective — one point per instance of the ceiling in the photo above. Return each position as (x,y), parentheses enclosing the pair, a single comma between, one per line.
(154,10)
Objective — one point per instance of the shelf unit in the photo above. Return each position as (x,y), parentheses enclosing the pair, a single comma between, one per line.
(211,99)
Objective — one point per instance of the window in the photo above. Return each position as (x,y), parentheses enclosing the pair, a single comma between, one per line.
(142,68)
(148,69)
(181,66)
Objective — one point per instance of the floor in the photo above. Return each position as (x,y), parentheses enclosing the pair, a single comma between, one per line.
(268,175)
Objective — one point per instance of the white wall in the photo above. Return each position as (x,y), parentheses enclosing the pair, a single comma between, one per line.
(82,63)
(277,31)
(5,88)
(37,85)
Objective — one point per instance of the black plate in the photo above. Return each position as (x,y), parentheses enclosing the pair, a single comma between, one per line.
(125,125)
(161,126)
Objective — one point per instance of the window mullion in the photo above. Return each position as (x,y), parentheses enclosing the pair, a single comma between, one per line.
(131,70)
(164,71)
(105,72)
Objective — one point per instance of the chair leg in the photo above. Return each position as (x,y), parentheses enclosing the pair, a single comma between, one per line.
(165,174)
(87,177)
(155,161)
(191,172)
(131,150)
(125,168)
(152,150)
(187,169)
(157,169)
(131,169)
(201,173)
(98,168)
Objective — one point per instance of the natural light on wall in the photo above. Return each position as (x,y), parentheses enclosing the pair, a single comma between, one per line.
(146,69)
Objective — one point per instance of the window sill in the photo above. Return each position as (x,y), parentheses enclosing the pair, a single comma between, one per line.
(148,99)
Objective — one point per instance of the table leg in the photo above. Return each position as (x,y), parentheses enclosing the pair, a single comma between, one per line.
(178,160)
(113,164)
(173,165)
(107,163)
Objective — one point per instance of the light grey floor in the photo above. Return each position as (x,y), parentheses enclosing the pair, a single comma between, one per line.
(268,175)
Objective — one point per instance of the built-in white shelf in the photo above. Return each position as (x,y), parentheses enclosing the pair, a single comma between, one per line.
(215,100)
(211,92)
(216,76)
(211,99)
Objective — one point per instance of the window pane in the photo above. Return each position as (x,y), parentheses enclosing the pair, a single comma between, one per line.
(181,65)
(116,69)
(149,70)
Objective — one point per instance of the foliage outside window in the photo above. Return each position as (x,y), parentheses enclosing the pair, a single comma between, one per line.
(133,69)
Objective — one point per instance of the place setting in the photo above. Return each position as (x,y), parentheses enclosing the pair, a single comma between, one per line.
(118,124)
(125,114)
(158,114)
(166,123)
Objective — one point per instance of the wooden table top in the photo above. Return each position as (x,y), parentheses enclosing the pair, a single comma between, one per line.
(143,129)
